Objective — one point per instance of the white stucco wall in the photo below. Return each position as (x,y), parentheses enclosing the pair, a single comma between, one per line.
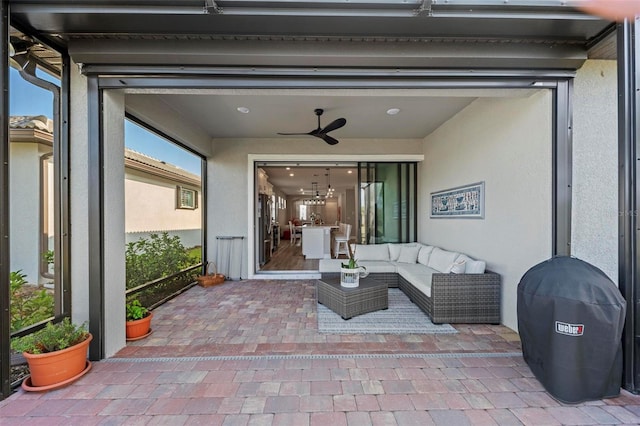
(24,205)
(114,225)
(79,196)
(594,237)
(151,205)
(507,144)
(228,176)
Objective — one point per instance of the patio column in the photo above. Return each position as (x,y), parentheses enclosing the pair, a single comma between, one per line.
(114,277)
(629,156)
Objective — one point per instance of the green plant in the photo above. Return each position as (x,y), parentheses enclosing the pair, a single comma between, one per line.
(51,338)
(28,304)
(49,257)
(353,262)
(136,311)
(155,257)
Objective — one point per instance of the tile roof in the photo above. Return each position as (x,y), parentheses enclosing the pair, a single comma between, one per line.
(39,122)
(160,165)
(43,123)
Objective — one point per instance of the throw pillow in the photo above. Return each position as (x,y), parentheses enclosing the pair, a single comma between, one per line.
(441,260)
(394,251)
(423,255)
(371,251)
(457,267)
(475,267)
(408,254)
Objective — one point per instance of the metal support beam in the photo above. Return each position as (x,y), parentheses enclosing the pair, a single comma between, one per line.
(628,151)
(96,220)
(562,168)
(5,317)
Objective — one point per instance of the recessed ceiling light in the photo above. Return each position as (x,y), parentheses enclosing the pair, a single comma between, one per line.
(288,168)
(243,110)
(393,111)
(291,174)
(301,189)
(350,171)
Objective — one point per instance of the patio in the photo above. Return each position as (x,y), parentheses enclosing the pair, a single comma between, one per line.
(248,353)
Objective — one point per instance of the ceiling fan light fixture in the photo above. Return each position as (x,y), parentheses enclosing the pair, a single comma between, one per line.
(320,132)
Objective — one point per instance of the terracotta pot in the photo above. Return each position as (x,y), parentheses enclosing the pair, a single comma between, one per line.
(138,328)
(59,366)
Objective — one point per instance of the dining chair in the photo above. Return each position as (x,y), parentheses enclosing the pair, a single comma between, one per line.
(342,242)
(295,235)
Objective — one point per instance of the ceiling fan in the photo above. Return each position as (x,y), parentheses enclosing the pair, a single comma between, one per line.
(322,133)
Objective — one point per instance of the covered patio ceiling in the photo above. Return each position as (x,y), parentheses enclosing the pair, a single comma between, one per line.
(141,35)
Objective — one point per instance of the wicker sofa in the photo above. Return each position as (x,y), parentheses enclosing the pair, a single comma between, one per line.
(450,287)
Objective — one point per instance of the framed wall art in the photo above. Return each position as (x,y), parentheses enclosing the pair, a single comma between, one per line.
(465,202)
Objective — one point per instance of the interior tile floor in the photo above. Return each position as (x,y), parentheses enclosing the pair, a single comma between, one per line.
(248,353)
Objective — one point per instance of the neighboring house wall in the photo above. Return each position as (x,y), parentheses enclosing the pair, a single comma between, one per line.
(595,166)
(150,207)
(507,143)
(25,223)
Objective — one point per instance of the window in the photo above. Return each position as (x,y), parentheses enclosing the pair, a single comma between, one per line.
(187,198)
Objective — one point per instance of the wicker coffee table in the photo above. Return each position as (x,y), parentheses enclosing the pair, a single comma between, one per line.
(370,296)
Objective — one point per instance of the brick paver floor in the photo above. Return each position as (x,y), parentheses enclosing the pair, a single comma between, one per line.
(249,353)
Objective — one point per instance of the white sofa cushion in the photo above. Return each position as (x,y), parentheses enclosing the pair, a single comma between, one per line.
(418,275)
(377,266)
(394,249)
(423,255)
(408,254)
(371,251)
(441,260)
(457,267)
(424,286)
(475,267)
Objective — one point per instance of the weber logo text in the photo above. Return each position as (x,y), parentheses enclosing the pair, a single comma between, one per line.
(569,329)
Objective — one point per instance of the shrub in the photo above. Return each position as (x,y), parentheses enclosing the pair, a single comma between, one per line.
(51,338)
(156,257)
(136,311)
(27,305)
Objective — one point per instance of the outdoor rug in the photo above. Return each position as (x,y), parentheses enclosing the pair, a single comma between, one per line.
(402,317)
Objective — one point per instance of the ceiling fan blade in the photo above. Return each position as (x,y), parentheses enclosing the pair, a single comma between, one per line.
(290,134)
(335,124)
(328,139)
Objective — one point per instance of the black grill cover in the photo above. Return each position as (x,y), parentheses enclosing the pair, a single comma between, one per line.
(570,320)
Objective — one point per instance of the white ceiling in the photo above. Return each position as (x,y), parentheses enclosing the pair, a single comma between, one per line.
(292,110)
(288,111)
(303,176)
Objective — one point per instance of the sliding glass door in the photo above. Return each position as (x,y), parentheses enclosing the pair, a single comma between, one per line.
(388,203)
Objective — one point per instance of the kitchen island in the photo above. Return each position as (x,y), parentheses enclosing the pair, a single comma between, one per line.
(316,241)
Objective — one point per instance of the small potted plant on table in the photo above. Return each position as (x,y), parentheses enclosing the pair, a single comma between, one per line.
(56,355)
(350,272)
(138,320)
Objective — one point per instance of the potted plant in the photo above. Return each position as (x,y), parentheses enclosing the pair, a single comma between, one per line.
(56,354)
(138,324)
(350,272)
